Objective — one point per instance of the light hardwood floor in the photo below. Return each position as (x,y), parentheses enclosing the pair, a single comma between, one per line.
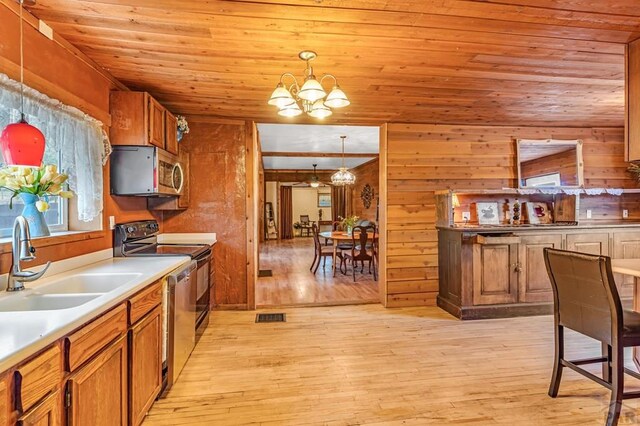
(293,284)
(353,365)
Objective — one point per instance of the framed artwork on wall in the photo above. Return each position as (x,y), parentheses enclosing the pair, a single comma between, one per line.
(488,213)
(324,200)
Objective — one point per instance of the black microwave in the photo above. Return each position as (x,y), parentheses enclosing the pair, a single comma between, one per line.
(145,171)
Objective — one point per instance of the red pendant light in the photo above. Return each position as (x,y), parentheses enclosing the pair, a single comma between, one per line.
(21,143)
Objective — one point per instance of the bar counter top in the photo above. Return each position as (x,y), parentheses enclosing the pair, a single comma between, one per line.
(527,227)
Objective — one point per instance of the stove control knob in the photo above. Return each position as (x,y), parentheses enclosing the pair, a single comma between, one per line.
(131,229)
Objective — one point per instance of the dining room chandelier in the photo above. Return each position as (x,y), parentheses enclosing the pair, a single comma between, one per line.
(311,97)
(343,176)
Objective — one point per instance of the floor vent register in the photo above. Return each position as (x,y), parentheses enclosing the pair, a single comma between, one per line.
(271,317)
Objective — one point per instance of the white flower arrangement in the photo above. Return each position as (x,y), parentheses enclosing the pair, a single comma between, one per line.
(183,126)
(43,181)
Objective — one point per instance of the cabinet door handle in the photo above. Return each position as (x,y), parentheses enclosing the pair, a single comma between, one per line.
(518,267)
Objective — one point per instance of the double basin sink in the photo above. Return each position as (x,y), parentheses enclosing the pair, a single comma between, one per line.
(65,293)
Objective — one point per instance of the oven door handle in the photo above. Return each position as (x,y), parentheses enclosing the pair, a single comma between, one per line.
(204,259)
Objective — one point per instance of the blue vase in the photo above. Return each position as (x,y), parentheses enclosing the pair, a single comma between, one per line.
(179,135)
(37,224)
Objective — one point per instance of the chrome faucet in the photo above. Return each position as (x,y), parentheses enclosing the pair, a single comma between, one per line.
(21,249)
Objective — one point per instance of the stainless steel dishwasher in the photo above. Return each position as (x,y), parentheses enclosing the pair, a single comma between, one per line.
(180,321)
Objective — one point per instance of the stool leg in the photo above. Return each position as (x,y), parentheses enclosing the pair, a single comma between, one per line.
(557,367)
(617,384)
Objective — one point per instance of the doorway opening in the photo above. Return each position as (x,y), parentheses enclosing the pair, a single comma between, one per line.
(305,247)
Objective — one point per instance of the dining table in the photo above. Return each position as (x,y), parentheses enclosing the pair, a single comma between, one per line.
(630,267)
(340,236)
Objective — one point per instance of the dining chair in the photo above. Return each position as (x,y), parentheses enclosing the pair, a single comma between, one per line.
(586,300)
(342,245)
(362,250)
(305,224)
(321,252)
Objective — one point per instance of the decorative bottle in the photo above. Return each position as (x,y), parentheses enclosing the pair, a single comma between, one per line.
(516,212)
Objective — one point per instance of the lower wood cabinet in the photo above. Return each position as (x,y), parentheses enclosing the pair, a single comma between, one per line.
(495,277)
(97,392)
(533,281)
(5,403)
(492,274)
(145,364)
(48,412)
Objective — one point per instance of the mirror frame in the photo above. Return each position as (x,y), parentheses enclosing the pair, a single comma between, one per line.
(552,142)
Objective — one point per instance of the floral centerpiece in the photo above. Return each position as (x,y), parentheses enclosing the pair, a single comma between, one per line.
(183,126)
(349,222)
(34,185)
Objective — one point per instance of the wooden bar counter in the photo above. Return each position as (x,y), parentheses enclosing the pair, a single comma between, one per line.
(499,271)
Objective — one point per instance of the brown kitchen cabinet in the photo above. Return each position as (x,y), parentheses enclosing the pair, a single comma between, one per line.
(138,119)
(171,132)
(495,277)
(5,402)
(97,392)
(626,245)
(591,243)
(48,412)
(533,280)
(145,364)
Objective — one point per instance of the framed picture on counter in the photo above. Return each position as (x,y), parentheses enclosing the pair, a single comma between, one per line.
(538,213)
(488,213)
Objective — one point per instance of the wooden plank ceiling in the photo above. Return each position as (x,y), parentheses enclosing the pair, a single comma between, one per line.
(517,62)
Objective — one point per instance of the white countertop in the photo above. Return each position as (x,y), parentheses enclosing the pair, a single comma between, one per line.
(187,238)
(22,334)
(626,266)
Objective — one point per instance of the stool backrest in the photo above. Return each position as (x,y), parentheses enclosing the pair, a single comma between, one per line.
(304,219)
(585,295)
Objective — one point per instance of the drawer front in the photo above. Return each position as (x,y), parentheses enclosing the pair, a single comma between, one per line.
(86,342)
(37,377)
(143,302)
(46,413)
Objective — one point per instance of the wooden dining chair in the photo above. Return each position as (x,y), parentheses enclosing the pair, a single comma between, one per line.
(321,252)
(305,224)
(362,250)
(586,300)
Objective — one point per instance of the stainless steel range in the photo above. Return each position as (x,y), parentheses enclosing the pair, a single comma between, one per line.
(136,239)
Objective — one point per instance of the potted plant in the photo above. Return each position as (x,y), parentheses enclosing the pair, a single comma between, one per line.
(348,223)
(183,127)
(34,185)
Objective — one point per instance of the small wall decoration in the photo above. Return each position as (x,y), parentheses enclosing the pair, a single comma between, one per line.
(538,213)
(324,200)
(488,213)
(367,195)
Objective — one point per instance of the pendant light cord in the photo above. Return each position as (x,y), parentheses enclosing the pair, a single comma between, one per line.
(343,137)
(21,66)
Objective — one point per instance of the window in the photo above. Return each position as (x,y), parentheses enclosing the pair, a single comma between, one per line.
(552,179)
(56,217)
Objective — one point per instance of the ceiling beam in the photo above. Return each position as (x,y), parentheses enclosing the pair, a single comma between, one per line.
(321,154)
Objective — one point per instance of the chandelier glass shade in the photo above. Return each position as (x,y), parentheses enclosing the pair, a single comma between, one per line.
(343,176)
(310,98)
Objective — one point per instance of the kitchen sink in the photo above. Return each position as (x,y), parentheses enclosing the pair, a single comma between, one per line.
(87,283)
(44,302)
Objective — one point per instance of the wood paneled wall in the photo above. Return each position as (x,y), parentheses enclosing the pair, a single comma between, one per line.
(424,158)
(367,173)
(217,202)
(61,72)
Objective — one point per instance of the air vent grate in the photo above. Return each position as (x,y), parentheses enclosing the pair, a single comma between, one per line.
(265,273)
(271,318)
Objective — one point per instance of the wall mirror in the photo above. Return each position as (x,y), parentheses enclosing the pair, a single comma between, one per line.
(550,163)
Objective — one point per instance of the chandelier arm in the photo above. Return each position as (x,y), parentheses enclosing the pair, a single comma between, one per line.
(335,80)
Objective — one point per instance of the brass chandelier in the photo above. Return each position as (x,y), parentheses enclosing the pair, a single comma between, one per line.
(343,176)
(311,97)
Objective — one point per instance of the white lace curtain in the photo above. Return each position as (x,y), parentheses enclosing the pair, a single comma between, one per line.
(80,139)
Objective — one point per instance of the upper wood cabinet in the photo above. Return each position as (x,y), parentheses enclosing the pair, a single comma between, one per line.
(171,133)
(138,119)
(632,101)
(97,392)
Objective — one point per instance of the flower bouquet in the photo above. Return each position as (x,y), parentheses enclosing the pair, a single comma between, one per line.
(30,184)
(349,222)
(183,127)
